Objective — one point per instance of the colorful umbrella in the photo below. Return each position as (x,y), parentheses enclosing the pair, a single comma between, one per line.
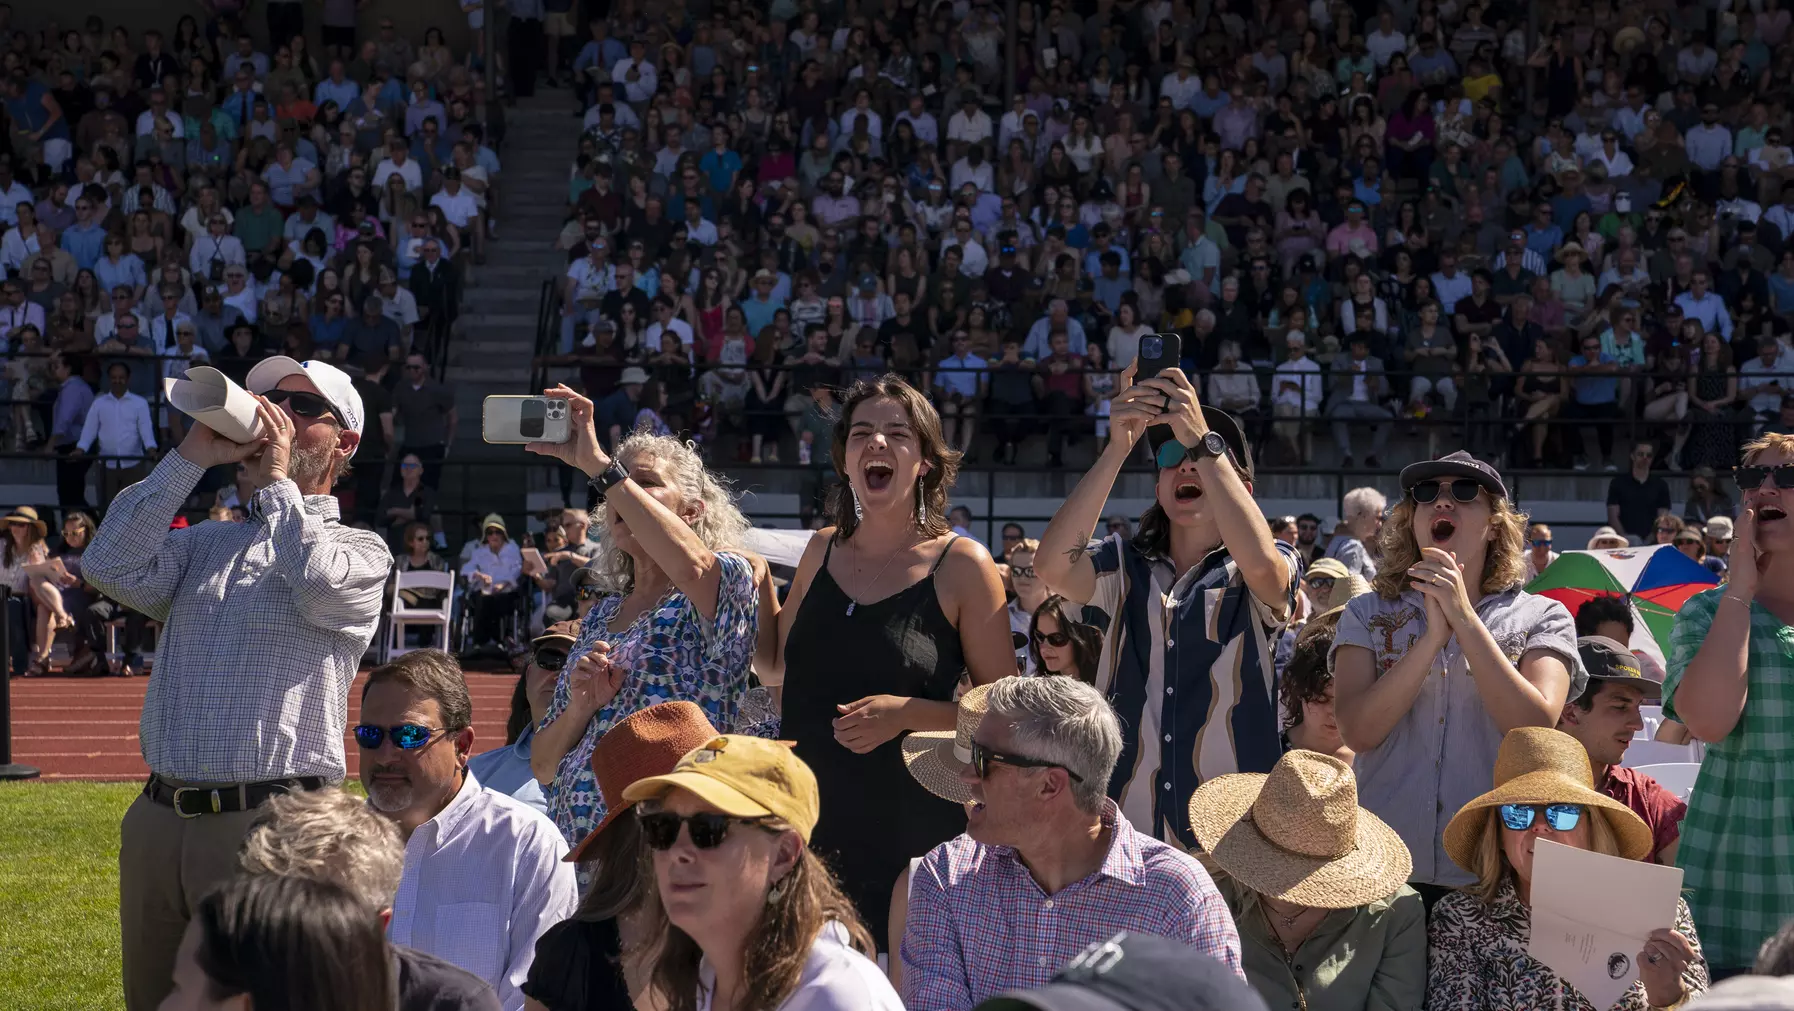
(1658,579)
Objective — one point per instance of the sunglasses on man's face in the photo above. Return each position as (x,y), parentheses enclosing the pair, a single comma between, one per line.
(1322,584)
(549,657)
(405,736)
(1751,478)
(302,404)
(1542,543)
(660,829)
(1561,817)
(983,757)
(1427,491)
(1022,571)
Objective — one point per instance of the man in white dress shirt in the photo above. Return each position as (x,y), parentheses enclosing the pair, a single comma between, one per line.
(484,875)
(120,422)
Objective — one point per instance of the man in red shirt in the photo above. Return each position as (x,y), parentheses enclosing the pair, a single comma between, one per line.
(1604,719)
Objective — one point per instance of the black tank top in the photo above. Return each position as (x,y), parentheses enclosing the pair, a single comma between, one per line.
(875,816)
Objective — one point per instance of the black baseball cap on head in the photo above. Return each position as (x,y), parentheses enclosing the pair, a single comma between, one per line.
(1218,421)
(1458,464)
(1136,972)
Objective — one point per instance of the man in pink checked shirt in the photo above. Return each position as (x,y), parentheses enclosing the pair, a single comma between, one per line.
(1047,864)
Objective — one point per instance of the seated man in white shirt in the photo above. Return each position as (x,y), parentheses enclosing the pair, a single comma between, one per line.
(398,161)
(484,875)
(1295,394)
(1763,379)
(462,209)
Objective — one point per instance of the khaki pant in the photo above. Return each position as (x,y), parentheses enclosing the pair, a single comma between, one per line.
(166,864)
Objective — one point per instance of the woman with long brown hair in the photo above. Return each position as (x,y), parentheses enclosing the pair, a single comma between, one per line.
(752,920)
(889,585)
(1060,644)
(1448,602)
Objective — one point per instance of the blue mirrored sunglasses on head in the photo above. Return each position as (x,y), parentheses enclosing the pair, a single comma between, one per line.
(405,736)
(1561,817)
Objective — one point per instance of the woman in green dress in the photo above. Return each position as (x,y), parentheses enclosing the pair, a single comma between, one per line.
(1731,682)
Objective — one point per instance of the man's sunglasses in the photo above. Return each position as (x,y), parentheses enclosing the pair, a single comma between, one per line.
(549,657)
(1322,584)
(305,405)
(1057,640)
(1561,817)
(405,736)
(588,593)
(982,757)
(1751,478)
(1022,571)
(660,829)
(1542,544)
(1427,491)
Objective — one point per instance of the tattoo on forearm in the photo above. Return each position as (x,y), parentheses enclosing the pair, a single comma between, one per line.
(1077,551)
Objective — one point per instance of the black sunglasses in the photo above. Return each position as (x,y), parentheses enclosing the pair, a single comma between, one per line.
(1322,584)
(660,829)
(1427,491)
(982,757)
(405,736)
(1022,571)
(305,405)
(1057,640)
(1751,478)
(549,657)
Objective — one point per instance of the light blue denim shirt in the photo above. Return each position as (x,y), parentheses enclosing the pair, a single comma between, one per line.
(1442,752)
(506,770)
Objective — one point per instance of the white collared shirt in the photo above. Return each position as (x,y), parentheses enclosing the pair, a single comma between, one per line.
(483,880)
(835,978)
(121,425)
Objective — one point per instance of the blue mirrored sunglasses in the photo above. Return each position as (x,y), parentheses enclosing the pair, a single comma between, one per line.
(1561,817)
(405,736)
(1172,454)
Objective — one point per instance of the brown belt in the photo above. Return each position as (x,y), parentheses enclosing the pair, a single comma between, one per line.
(224,798)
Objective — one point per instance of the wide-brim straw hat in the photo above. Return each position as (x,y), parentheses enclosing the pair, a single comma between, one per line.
(1539,765)
(1297,834)
(28,515)
(646,743)
(937,758)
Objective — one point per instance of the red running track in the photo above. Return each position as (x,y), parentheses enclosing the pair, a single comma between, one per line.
(86,728)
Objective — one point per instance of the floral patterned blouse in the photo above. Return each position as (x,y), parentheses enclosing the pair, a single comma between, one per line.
(671,654)
(1477,960)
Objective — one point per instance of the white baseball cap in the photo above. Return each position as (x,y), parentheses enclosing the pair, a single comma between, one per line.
(333,384)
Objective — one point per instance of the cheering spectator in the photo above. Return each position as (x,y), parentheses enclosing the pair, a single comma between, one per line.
(1448,600)
(1543,791)
(750,916)
(1042,842)
(306,608)
(484,875)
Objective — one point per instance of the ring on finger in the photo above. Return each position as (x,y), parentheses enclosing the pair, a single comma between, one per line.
(1654,958)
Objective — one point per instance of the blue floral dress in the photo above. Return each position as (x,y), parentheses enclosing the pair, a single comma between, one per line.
(671,654)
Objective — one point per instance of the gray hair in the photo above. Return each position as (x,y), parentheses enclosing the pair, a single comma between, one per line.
(1361,502)
(327,835)
(719,523)
(1064,721)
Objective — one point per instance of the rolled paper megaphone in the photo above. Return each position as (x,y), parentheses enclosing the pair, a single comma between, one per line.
(209,397)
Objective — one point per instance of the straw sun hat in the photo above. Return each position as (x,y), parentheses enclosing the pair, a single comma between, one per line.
(649,742)
(937,757)
(27,516)
(1298,835)
(1538,765)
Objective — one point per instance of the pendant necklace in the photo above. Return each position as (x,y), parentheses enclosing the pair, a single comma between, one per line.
(852,603)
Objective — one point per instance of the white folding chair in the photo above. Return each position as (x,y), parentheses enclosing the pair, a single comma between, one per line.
(1653,718)
(402,616)
(1676,777)
(1642,753)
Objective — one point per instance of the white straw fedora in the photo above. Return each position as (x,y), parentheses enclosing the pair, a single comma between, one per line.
(936,758)
(1298,835)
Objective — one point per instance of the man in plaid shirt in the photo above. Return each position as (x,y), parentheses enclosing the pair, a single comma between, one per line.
(1047,865)
(264,625)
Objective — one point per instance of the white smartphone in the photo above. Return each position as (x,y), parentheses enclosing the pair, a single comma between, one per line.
(512,421)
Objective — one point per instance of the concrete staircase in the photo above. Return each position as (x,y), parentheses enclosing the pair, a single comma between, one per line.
(492,352)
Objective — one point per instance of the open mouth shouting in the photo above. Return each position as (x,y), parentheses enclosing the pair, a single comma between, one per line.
(1187,491)
(1770,513)
(1443,528)
(878,475)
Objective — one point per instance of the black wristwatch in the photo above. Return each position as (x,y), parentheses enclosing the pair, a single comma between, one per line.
(609,478)
(1211,444)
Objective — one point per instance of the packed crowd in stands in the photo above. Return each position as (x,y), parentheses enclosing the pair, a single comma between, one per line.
(1192,759)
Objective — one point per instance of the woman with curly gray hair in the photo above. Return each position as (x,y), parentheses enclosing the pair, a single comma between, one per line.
(679,614)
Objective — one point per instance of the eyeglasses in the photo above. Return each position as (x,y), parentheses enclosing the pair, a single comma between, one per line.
(1561,817)
(1022,571)
(305,405)
(1057,640)
(1751,478)
(660,829)
(1322,584)
(588,593)
(411,466)
(982,757)
(1427,491)
(405,736)
(549,657)
(1542,544)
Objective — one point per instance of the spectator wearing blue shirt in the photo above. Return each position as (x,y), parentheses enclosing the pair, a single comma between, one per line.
(1594,396)
(720,164)
(1109,283)
(1093,258)
(1543,236)
(336,88)
(1450,283)
(1211,99)
(85,239)
(1710,142)
(763,305)
(959,385)
(119,268)
(1700,304)
(1571,202)
(1058,317)
(328,325)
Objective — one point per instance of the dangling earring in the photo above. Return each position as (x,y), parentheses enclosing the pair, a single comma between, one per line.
(777,892)
(921,506)
(859,514)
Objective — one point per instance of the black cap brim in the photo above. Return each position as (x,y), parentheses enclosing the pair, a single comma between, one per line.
(1427,470)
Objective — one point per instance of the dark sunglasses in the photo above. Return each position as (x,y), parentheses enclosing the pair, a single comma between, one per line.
(1561,817)
(1427,491)
(1057,640)
(1322,584)
(982,757)
(588,593)
(305,405)
(1542,544)
(549,657)
(1751,478)
(660,829)
(1022,571)
(405,736)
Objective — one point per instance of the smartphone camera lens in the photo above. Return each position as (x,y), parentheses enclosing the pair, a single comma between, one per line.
(1152,347)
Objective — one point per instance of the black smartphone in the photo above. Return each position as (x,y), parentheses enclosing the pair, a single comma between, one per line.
(1158,352)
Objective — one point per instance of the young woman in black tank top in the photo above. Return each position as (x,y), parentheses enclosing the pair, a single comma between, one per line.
(886,611)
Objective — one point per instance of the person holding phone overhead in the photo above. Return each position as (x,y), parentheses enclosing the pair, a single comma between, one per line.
(1198,597)
(888,607)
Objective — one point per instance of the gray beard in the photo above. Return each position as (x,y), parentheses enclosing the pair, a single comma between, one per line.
(309,467)
(391,799)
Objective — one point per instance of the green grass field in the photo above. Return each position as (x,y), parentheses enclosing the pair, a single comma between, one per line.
(59,895)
